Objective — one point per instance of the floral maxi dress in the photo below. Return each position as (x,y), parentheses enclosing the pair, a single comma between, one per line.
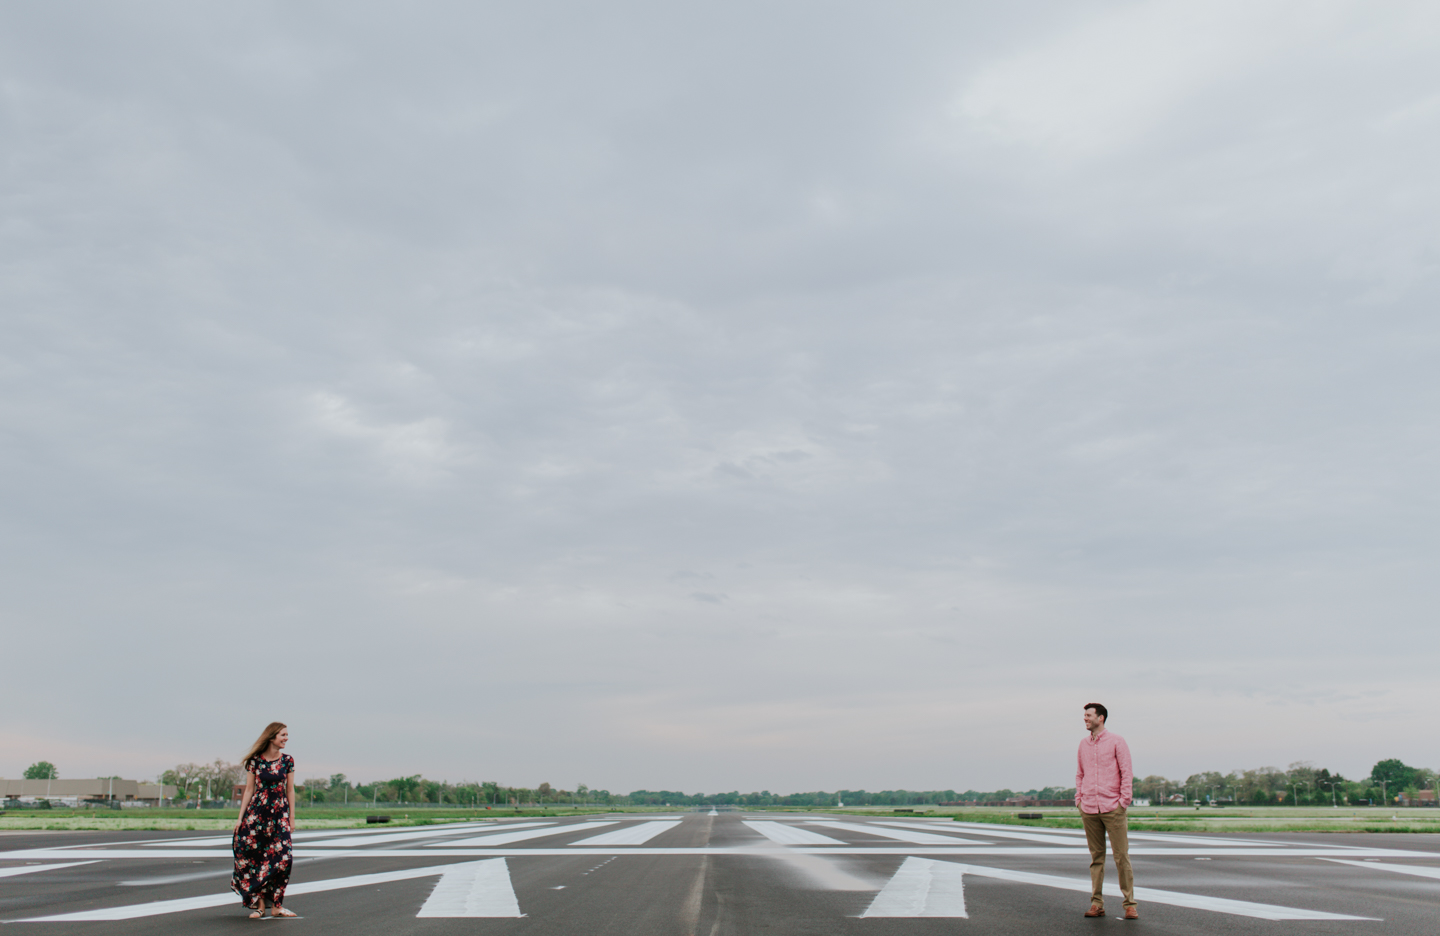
(262,843)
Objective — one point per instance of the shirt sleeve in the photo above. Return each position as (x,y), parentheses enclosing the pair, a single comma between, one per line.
(1079,771)
(1127,773)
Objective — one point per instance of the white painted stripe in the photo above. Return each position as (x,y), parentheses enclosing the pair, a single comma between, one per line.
(135,911)
(990,831)
(448,829)
(789,835)
(373,835)
(948,827)
(1051,835)
(1186,839)
(637,834)
(1416,870)
(408,836)
(922,888)
(505,838)
(1171,898)
(963,828)
(32,869)
(159,907)
(473,889)
(905,835)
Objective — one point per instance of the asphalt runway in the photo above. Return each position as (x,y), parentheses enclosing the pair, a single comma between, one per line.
(700,874)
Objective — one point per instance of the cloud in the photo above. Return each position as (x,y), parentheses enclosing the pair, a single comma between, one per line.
(736,381)
(417,451)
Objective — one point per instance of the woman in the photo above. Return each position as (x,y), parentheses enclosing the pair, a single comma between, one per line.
(267,816)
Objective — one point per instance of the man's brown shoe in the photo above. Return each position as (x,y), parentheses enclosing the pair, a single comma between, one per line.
(1132,913)
(1095,911)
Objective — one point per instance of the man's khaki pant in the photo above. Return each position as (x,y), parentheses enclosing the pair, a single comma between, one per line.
(1096,827)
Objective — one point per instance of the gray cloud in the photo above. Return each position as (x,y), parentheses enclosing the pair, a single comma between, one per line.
(645,396)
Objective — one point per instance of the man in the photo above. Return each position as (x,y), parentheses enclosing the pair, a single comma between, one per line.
(1103,785)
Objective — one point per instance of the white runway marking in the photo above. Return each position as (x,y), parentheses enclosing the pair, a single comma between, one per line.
(900,835)
(473,889)
(1052,835)
(637,834)
(783,834)
(505,838)
(31,869)
(457,828)
(380,838)
(1172,898)
(946,827)
(1057,837)
(160,907)
(135,911)
(922,888)
(1417,870)
(371,835)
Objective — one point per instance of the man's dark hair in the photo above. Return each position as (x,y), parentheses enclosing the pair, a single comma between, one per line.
(1099,710)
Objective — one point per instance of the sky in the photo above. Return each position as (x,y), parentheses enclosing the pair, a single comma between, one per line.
(779,396)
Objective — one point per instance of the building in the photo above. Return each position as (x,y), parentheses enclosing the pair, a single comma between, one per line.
(102,791)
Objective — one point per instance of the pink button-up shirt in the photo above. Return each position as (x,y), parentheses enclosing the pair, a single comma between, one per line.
(1103,777)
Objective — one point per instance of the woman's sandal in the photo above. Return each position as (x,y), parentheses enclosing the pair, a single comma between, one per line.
(256,915)
(281,912)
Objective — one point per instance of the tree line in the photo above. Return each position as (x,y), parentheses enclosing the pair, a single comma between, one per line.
(1301,784)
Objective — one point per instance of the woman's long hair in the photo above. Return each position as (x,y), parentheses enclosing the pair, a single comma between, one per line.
(263,742)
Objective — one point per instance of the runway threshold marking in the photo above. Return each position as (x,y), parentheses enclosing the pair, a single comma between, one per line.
(32,869)
(1416,870)
(922,887)
(505,838)
(372,836)
(473,889)
(484,886)
(899,835)
(782,834)
(637,834)
(1171,898)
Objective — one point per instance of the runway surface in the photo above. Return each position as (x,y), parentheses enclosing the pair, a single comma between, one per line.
(714,874)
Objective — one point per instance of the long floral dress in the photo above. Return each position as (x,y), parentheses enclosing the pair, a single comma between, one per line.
(262,843)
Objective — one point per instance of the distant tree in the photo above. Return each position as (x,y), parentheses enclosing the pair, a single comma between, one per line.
(42,770)
(338,781)
(405,787)
(1393,773)
(220,778)
(187,777)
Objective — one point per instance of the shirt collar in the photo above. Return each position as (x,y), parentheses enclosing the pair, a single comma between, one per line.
(1095,739)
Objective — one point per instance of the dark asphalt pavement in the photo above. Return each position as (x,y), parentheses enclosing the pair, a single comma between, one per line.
(720,874)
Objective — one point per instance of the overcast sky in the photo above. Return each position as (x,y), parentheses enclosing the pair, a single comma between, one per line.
(715,396)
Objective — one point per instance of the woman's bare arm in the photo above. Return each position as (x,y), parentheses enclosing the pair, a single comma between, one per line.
(245,797)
